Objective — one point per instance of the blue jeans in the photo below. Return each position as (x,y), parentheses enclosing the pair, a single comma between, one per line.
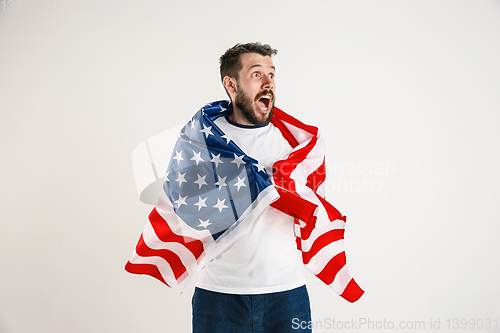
(215,312)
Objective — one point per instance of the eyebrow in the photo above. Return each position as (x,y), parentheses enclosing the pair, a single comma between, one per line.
(257,65)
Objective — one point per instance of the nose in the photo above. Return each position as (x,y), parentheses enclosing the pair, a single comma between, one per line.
(268,83)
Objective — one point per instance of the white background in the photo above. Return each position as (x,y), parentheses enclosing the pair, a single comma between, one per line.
(407,94)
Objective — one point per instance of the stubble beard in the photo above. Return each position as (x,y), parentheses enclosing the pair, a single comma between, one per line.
(246,106)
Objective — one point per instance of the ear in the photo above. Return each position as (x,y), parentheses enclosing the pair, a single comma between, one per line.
(230,84)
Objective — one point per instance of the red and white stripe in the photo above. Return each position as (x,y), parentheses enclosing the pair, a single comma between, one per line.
(173,252)
(165,250)
(320,236)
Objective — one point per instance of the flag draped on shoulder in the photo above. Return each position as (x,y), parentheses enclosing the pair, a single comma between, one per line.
(213,191)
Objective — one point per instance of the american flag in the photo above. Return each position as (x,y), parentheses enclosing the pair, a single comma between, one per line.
(213,191)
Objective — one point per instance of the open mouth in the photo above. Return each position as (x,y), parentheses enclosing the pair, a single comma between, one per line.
(264,102)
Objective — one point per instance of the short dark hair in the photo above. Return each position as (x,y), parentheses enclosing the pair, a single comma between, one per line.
(230,63)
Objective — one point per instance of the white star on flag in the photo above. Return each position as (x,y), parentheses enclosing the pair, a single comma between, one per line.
(181,179)
(227,139)
(216,159)
(238,160)
(204,224)
(200,181)
(221,182)
(197,157)
(207,130)
(240,183)
(220,205)
(201,203)
(178,156)
(259,166)
(181,201)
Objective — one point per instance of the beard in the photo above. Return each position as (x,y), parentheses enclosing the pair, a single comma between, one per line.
(247,107)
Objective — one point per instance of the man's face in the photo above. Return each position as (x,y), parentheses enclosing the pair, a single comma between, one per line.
(254,99)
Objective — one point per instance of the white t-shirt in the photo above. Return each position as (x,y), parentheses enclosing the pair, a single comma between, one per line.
(264,258)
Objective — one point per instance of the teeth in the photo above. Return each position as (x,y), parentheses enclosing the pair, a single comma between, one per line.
(268,97)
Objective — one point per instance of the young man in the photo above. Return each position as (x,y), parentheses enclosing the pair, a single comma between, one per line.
(243,191)
(256,285)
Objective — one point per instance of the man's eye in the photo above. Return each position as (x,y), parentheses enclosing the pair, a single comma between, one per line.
(271,76)
(255,74)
